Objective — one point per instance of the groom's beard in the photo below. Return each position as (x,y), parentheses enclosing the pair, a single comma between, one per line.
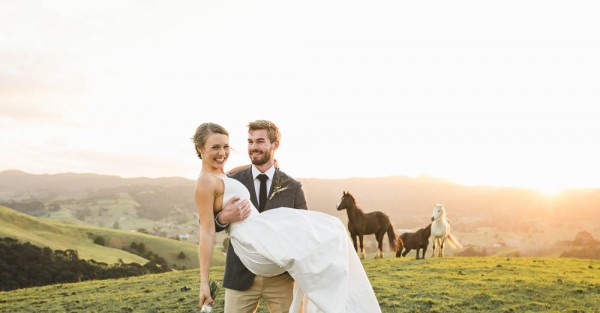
(266,156)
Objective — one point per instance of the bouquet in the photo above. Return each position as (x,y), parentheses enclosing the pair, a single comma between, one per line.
(214,288)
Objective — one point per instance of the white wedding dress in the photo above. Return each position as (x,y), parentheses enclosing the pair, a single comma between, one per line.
(313,247)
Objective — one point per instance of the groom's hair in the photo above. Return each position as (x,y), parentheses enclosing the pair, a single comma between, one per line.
(272,129)
(203,131)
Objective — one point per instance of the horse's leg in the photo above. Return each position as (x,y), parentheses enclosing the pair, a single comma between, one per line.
(362,253)
(406,252)
(433,247)
(379,237)
(354,242)
(381,243)
(418,253)
(442,247)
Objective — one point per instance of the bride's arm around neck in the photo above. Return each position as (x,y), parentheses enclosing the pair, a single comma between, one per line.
(204,195)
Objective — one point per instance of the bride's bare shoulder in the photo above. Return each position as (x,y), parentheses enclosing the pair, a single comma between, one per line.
(208,183)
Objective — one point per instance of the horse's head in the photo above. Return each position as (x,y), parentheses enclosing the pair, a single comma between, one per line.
(427,231)
(346,202)
(438,212)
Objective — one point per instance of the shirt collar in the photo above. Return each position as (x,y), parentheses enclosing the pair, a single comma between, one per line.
(270,172)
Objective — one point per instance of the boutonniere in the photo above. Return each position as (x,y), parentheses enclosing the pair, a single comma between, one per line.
(278,186)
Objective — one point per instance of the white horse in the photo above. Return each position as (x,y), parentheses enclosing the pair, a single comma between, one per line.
(440,230)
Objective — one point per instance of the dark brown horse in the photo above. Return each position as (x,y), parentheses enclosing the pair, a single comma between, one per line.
(417,240)
(360,224)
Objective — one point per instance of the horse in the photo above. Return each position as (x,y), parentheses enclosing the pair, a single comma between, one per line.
(417,240)
(360,224)
(440,230)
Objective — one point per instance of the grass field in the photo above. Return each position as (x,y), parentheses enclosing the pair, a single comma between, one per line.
(402,285)
(59,235)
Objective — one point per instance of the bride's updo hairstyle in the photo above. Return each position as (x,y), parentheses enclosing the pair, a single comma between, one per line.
(205,130)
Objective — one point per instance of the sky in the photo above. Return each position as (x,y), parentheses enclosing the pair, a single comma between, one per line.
(477,92)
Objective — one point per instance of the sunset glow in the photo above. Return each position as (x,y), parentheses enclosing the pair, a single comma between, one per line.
(477,93)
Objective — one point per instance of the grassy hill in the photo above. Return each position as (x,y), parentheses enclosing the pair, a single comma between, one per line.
(402,285)
(501,220)
(59,235)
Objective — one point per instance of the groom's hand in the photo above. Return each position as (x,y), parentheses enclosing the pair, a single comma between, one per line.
(234,211)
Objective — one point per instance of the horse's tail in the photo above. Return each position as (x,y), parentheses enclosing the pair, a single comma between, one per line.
(392,236)
(399,244)
(454,242)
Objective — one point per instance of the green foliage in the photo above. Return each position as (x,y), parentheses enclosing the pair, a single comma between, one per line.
(214,289)
(54,207)
(25,265)
(584,238)
(458,284)
(59,235)
(157,202)
(99,240)
(583,246)
(140,249)
(225,245)
(30,206)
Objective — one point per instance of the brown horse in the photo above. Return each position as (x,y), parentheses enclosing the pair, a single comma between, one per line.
(417,240)
(360,224)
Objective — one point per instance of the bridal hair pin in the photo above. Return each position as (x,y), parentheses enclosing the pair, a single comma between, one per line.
(214,289)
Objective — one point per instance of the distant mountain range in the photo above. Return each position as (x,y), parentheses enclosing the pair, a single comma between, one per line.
(409,202)
(14,183)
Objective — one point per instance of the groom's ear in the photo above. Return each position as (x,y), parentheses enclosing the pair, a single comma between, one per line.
(276,144)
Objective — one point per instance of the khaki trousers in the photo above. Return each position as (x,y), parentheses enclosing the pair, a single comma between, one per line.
(276,291)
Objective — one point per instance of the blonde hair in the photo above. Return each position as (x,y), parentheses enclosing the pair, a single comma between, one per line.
(272,129)
(203,131)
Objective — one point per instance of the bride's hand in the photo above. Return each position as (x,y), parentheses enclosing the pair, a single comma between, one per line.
(205,297)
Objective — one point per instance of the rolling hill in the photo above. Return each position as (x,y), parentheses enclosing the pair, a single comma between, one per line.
(60,235)
(513,219)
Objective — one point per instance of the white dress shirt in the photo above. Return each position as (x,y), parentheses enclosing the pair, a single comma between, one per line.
(270,173)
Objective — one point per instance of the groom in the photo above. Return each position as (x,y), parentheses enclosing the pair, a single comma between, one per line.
(243,289)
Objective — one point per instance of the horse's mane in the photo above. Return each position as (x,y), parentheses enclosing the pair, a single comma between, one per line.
(350,195)
(347,193)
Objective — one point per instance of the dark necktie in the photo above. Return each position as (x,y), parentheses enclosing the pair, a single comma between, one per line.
(262,193)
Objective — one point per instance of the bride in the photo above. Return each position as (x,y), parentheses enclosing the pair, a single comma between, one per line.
(312,246)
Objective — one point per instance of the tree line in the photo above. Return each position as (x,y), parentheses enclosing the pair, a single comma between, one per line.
(24,265)
(584,246)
